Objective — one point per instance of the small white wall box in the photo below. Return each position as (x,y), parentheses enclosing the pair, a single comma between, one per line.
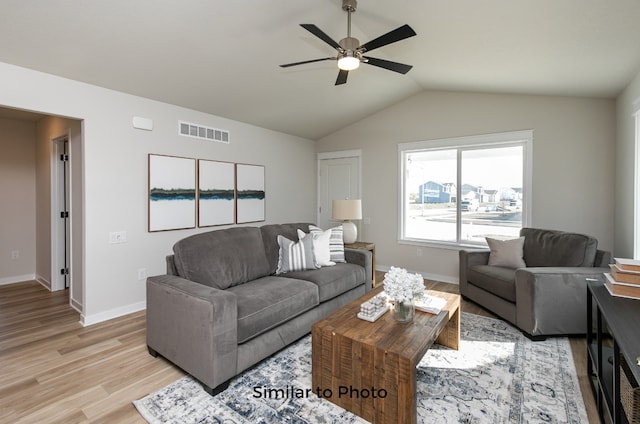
(142,123)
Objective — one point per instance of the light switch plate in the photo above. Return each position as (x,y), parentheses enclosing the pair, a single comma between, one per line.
(117,237)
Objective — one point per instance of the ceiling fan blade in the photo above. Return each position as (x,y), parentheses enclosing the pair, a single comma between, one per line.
(387,64)
(342,77)
(321,35)
(405,31)
(286,65)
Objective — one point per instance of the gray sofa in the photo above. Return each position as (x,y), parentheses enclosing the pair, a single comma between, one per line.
(546,297)
(221,309)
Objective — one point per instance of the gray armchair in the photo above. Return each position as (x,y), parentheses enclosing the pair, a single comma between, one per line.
(547,296)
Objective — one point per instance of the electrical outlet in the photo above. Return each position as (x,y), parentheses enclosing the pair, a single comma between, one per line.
(142,274)
(15,254)
(419,252)
(366,220)
(117,237)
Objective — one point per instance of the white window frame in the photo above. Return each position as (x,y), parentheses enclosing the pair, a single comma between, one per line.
(522,138)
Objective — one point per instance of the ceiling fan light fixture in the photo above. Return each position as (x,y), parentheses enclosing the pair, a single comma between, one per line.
(348,61)
(350,51)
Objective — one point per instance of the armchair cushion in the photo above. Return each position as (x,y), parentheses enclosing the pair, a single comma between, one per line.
(506,253)
(558,248)
(497,280)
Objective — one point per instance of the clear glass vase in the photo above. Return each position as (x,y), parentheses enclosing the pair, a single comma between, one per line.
(403,311)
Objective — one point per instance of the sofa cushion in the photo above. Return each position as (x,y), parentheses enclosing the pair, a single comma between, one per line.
(269,301)
(295,256)
(558,248)
(270,235)
(332,281)
(222,258)
(497,280)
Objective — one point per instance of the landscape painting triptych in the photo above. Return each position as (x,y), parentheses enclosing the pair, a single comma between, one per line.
(185,192)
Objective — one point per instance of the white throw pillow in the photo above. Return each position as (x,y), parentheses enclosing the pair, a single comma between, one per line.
(336,243)
(507,253)
(320,246)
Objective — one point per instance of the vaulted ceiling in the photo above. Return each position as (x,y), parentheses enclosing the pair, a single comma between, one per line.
(222,57)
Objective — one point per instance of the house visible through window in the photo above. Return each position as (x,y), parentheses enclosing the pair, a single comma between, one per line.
(459,191)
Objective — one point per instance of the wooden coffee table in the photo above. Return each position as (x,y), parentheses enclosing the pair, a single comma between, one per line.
(369,368)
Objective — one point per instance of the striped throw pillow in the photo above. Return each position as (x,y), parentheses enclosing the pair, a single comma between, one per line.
(336,243)
(295,256)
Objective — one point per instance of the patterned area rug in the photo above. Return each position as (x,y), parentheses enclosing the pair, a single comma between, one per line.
(497,376)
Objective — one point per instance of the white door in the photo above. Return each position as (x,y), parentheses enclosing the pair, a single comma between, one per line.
(60,229)
(339,178)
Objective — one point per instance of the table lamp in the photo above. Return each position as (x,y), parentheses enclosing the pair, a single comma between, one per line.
(346,210)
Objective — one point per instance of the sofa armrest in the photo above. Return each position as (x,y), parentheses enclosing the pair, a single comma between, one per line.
(194,326)
(468,258)
(363,258)
(553,300)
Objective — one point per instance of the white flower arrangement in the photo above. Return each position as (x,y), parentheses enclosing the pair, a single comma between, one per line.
(401,286)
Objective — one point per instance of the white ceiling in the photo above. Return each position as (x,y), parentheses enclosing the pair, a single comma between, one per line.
(222,57)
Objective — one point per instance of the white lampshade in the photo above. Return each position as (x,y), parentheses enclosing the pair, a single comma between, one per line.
(345,210)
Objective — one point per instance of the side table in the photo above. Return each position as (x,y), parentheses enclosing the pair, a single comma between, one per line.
(365,245)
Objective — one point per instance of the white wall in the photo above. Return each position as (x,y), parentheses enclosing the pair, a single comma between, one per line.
(625,168)
(115,176)
(573,163)
(17,200)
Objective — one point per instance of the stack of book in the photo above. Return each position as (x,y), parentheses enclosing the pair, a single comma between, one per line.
(431,304)
(624,279)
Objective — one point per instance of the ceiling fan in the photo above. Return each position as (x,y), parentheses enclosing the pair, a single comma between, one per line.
(351,53)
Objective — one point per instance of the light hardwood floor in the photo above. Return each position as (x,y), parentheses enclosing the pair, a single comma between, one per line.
(56,371)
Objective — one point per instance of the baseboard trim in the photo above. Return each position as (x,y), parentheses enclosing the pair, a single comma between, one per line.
(44,282)
(91,319)
(426,275)
(76,305)
(17,279)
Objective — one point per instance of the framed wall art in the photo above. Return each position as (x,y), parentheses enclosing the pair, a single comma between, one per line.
(250,193)
(172,193)
(216,193)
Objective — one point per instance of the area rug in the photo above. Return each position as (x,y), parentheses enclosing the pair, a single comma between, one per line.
(497,376)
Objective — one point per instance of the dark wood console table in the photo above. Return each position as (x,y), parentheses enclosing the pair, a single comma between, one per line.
(616,335)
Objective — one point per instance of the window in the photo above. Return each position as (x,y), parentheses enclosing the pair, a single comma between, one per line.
(459,191)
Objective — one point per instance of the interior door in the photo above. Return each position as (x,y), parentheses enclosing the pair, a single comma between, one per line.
(339,178)
(61,229)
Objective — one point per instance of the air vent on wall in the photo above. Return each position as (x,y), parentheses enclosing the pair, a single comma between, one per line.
(189,129)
